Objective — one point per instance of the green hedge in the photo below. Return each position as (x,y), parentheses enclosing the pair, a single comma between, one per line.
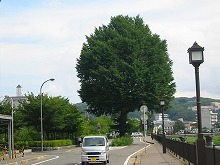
(47,143)
(122,141)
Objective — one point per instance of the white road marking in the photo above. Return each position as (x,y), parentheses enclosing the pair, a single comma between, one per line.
(45,160)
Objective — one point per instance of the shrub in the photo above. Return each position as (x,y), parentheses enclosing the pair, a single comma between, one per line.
(122,141)
(21,144)
(47,143)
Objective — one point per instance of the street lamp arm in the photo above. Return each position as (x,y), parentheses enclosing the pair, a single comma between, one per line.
(52,79)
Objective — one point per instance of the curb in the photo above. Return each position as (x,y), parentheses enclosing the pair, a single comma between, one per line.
(26,160)
(137,160)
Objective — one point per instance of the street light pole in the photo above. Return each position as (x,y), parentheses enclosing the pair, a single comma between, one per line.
(41,113)
(162,104)
(196,58)
(144,117)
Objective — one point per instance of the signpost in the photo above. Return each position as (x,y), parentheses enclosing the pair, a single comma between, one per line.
(99,127)
(144,118)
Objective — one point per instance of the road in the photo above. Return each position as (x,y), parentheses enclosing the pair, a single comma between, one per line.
(118,155)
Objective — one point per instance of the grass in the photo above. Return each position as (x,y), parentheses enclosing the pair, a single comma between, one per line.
(192,139)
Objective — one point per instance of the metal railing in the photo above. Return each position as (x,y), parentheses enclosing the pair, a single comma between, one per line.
(188,152)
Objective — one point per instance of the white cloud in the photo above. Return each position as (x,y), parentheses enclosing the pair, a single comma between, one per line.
(41,41)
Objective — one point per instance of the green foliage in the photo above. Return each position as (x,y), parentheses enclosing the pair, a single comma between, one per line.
(51,143)
(179,125)
(90,126)
(181,108)
(123,65)
(122,141)
(191,139)
(26,134)
(21,144)
(217,140)
(47,143)
(59,117)
(134,125)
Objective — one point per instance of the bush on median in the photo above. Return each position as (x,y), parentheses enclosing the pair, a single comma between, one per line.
(122,141)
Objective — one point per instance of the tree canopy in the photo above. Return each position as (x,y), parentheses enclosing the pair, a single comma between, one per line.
(123,65)
(59,116)
(179,125)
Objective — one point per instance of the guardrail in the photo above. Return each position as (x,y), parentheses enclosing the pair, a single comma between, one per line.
(188,152)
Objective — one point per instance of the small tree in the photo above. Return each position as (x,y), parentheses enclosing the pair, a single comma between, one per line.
(179,125)
(61,119)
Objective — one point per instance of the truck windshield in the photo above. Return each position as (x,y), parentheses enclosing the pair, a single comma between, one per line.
(96,141)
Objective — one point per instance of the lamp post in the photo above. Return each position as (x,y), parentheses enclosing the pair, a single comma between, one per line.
(144,118)
(12,125)
(162,104)
(196,58)
(41,113)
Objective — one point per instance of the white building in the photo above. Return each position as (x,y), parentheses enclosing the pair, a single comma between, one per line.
(158,117)
(208,117)
(216,105)
(18,97)
(168,125)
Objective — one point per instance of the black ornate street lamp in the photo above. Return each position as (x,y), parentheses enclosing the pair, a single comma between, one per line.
(162,104)
(196,58)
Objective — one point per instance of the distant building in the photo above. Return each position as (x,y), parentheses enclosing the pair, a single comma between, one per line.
(208,117)
(168,125)
(215,105)
(158,117)
(19,97)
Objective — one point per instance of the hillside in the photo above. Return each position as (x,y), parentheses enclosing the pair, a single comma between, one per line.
(180,108)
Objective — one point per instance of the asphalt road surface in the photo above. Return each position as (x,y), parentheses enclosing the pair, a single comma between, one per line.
(118,155)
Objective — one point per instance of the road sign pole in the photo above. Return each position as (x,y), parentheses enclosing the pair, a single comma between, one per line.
(145,145)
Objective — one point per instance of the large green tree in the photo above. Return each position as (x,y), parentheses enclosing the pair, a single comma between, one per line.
(122,66)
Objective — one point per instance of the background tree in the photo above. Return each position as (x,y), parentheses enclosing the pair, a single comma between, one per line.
(134,125)
(123,65)
(60,118)
(179,125)
(104,122)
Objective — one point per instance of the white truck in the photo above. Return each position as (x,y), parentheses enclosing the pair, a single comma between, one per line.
(95,149)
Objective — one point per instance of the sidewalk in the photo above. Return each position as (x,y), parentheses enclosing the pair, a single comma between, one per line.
(154,155)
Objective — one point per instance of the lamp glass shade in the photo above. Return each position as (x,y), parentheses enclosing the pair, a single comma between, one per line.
(162,102)
(197,56)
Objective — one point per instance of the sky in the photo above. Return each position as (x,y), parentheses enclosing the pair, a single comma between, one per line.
(41,39)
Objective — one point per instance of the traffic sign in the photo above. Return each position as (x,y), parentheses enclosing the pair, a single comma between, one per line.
(144,109)
(144,117)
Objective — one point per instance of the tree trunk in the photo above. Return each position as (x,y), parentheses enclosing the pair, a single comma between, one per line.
(122,122)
